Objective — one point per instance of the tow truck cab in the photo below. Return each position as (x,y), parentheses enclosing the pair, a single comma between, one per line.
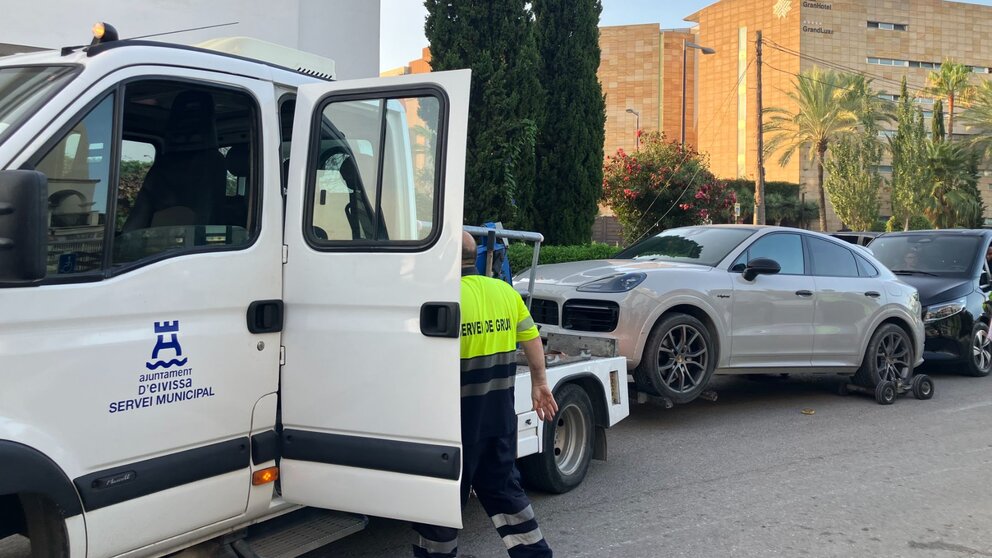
(229,289)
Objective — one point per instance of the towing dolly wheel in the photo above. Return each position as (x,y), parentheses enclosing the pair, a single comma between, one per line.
(922,387)
(885,393)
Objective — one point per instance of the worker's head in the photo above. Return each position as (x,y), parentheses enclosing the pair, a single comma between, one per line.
(468,249)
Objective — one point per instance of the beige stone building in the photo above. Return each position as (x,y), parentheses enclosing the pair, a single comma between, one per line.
(884,39)
(641,69)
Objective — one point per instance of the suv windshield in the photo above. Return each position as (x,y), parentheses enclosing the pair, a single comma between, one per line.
(698,245)
(942,255)
(24,88)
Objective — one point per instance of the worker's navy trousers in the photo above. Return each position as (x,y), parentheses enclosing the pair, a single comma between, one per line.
(488,468)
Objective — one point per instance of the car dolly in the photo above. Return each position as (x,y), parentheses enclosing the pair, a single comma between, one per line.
(886,391)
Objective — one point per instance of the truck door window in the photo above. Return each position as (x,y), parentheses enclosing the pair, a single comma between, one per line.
(78,172)
(197,189)
(374,180)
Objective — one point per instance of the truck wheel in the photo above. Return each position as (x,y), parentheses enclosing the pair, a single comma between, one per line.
(46,527)
(889,358)
(979,362)
(678,358)
(567,446)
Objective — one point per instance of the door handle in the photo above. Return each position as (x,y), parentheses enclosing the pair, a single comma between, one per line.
(873,294)
(804,293)
(440,319)
(265,316)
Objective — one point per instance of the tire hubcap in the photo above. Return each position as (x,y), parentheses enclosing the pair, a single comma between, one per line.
(892,358)
(570,440)
(981,350)
(682,358)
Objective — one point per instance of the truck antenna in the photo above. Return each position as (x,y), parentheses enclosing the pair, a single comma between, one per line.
(185,30)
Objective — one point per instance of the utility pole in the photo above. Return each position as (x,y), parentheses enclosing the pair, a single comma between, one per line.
(759,183)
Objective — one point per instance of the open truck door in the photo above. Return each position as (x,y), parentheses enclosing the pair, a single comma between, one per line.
(370,384)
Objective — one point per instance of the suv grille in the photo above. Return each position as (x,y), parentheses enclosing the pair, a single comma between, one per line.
(590,315)
(544,311)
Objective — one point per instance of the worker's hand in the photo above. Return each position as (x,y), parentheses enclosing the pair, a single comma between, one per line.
(544,401)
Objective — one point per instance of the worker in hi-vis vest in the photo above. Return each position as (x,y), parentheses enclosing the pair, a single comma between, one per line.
(493,320)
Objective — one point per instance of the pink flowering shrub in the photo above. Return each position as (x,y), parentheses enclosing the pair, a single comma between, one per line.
(659,187)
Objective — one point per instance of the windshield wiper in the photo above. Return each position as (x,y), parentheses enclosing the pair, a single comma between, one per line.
(913,272)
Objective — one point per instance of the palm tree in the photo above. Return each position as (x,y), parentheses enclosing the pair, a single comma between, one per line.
(822,113)
(978,117)
(950,201)
(951,82)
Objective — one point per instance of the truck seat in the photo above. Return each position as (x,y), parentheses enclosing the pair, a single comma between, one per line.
(186,183)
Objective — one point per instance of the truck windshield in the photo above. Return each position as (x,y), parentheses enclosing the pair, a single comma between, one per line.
(24,88)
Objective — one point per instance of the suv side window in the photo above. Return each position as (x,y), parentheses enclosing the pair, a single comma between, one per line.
(831,260)
(375,178)
(784,248)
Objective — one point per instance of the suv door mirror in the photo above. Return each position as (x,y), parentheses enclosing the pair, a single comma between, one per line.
(760,266)
(23,215)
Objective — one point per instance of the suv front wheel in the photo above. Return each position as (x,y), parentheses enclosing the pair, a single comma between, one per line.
(678,359)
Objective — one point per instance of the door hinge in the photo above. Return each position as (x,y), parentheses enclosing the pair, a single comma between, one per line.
(282,355)
(285,253)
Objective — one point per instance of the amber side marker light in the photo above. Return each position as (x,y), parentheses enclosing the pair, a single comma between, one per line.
(265,476)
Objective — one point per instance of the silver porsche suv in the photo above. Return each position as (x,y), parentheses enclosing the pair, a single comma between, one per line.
(734,299)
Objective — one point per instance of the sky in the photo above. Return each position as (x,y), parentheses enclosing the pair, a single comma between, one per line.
(402,22)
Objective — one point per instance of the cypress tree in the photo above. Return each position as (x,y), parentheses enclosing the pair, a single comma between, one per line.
(496,40)
(937,124)
(570,144)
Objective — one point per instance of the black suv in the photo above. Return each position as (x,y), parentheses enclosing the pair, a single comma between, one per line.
(949,269)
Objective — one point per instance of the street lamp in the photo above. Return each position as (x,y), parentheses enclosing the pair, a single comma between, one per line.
(637,130)
(705,50)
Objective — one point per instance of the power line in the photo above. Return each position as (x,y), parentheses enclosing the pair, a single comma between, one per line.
(723,110)
(834,65)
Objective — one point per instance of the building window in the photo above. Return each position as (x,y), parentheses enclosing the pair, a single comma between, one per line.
(979,70)
(888,97)
(924,100)
(886,133)
(884,169)
(925,65)
(888,62)
(887,26)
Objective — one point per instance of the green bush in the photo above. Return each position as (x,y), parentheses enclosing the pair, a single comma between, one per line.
(916,223)
(521,255)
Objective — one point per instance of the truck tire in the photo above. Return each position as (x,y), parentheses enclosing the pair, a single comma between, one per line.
(889,357)
(45,527)
(678,359)
(567,445)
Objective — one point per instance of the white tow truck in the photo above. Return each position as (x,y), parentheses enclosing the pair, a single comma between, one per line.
(229,300)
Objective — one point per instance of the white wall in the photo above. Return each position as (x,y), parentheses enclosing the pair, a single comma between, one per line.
(346,31)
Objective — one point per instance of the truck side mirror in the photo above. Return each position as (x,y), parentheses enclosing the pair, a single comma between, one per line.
(23,215)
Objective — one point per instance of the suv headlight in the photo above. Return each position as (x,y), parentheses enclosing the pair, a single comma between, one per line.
(943,310)
(614,284)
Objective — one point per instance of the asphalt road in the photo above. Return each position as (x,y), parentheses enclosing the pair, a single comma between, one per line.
(750,475)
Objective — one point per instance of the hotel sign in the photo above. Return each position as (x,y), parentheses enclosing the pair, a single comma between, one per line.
(817,5)
(817,28)
(782,8)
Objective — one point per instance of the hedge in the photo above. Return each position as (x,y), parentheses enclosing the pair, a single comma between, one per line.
(521,255)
